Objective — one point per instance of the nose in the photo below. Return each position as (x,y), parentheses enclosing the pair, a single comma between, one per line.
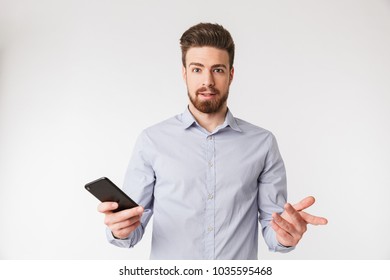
(208,79)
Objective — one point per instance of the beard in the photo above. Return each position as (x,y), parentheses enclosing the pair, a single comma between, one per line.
(209,106)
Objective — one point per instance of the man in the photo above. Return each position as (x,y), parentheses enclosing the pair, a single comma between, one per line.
(207,177)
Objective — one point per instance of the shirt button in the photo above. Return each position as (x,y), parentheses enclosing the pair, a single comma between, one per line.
(210,229)
(210,164)
(210,137)
(211,196)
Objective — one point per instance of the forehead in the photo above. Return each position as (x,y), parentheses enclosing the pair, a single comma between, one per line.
(207,56)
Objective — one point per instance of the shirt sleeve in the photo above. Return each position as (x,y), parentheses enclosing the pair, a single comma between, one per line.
(272,194)
(138,185)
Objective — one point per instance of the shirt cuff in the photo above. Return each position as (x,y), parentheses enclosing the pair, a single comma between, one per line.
(284,249)
(124,243)
(273,244)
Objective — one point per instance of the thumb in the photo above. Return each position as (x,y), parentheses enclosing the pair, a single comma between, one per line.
(304,203)
(107,206)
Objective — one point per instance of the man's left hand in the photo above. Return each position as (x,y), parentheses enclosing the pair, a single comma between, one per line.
(292,223)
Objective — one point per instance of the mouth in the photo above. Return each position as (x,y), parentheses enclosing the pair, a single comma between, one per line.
(207,95)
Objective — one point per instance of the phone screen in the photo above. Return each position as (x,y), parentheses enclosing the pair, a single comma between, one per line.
(105,190)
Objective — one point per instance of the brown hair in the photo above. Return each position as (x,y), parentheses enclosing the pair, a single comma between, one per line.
(207,34)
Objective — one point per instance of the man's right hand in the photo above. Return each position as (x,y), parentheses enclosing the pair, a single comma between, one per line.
(121,223)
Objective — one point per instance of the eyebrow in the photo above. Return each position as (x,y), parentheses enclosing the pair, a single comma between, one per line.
(213,66)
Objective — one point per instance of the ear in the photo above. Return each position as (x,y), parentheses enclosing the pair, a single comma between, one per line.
(231,75)
(184,73)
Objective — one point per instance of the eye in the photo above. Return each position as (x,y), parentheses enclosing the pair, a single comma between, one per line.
(218,70)
(196,70)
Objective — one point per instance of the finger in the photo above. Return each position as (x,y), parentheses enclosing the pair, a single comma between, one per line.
(285,225)
(304,203)
(125,224)
(125,232)
(107,206)
(313,220)
(296,219)
(282,236)
(123,215)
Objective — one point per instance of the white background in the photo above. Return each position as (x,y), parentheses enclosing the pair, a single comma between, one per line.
(79,80)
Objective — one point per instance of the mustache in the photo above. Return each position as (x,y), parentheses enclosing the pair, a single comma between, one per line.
(207,89)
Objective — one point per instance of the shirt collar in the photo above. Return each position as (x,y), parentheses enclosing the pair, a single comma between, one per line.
(188,120)
(231,121)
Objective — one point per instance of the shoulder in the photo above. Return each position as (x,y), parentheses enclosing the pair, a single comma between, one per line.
(256,134)
(162,129)
(252,129)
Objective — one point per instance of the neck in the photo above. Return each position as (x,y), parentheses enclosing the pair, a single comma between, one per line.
(208,121)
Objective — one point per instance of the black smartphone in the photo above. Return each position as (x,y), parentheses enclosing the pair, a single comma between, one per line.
(105,190)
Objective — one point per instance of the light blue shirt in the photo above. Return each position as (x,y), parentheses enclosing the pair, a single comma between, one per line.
(206,191)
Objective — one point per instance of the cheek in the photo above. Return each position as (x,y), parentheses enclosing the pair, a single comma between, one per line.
(193,83)
(223,83)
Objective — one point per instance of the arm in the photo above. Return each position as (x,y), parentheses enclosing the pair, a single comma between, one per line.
(126,228)
(272,194)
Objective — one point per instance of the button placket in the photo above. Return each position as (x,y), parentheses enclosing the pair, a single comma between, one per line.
(210,201)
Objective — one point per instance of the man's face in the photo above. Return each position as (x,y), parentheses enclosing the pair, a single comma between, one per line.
(208,77)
